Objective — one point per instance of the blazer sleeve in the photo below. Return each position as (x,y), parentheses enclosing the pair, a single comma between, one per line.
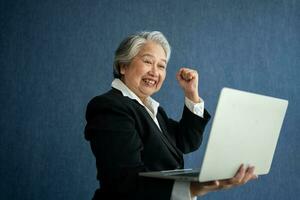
(117,147)
(188,132)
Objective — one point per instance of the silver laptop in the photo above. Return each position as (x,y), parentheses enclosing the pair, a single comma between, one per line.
(245,130)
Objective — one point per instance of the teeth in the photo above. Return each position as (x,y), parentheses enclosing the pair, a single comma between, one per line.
(149,82)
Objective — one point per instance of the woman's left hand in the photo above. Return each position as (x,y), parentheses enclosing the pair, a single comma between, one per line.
(243,176)
(188,80)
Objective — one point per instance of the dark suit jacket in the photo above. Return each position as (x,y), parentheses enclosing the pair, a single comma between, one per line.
(125,140)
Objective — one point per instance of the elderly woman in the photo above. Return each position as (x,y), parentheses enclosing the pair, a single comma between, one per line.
(130,133)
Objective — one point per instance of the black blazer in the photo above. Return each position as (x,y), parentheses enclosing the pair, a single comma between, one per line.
(125,141)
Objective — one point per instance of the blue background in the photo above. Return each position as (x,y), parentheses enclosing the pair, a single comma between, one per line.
(56,55)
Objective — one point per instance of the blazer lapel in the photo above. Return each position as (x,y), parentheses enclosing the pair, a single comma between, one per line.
(163,132)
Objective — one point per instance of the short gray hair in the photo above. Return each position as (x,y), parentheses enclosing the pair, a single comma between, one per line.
(132,44)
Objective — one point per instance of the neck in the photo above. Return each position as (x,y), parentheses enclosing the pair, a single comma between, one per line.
(143,100)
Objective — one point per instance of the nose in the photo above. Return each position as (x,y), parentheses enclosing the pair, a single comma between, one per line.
(154,71)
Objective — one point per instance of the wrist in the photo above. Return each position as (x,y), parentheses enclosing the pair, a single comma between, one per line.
(196,190)
(192,190)
(193,97)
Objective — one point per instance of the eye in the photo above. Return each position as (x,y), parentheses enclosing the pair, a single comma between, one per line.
(148,61)
(162,66)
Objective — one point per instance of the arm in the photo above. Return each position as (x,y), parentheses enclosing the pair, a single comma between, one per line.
(188,132)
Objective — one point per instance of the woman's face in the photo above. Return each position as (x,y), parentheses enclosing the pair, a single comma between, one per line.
(147,70)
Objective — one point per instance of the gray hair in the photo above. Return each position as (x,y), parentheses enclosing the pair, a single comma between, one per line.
(131,46)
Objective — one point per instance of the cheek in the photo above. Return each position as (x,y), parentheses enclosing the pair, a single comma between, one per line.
(140,71)
(161,80)
(163,76)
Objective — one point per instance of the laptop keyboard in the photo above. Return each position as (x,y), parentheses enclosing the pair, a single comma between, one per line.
(182,173)
(191,174)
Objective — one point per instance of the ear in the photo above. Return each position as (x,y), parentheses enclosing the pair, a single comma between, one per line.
(122,69)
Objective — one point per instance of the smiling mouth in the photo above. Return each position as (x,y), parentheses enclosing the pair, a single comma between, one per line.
(149,82)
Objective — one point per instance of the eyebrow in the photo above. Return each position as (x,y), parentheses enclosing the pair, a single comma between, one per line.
(148,54)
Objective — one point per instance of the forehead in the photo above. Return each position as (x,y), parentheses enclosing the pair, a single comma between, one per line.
(153,49)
